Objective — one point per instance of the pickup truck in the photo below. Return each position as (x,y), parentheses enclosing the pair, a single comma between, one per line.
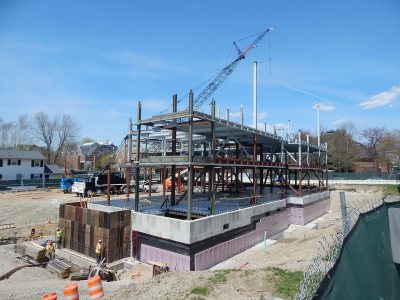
(144,186)
(91,185)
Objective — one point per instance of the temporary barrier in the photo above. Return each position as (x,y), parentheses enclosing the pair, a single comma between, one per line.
(52,296)
(365,267)
(95,288)
(71,292)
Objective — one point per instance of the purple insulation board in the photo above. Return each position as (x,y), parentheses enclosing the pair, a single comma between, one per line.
(304,215)
(174,260)
(272,224)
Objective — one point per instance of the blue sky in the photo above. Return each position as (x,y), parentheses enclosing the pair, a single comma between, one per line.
(95,59)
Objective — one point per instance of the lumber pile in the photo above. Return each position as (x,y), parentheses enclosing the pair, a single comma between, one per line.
(35,251)
(59,267)
(19,249)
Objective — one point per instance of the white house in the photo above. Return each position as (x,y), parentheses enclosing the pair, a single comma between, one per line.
(17,165)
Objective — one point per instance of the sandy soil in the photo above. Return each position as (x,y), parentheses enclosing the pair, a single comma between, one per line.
(293,251)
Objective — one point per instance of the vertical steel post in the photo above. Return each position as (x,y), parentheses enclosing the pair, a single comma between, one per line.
(137,169)
(254,201)
(255,96)
(343,208)
(326,163)
(129,154)
(173,167)
(108,185)
(190,157)
(261,170)
(212,150)
(150,179)
(241,115)
(128,183)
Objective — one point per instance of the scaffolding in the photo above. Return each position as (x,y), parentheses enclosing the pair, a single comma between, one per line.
(219,156)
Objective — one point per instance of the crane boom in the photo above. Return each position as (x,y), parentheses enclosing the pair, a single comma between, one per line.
(225,72)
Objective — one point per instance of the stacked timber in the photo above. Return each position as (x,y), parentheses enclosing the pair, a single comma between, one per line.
(84,227)
(35,251)
(59,267)
(19,249)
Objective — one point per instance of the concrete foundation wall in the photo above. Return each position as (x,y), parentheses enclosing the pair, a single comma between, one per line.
(242,229)
(162,227)
(306,200)
(272,224)
(188,232)
(175,261)
(304,215)
(204,228)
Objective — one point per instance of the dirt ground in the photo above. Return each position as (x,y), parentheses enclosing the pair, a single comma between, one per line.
(293,251)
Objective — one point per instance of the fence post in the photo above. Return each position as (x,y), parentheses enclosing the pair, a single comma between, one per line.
(345,218)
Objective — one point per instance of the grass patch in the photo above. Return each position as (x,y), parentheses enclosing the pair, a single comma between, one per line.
(286,283)
(392,189)
(219,276)
(202,291)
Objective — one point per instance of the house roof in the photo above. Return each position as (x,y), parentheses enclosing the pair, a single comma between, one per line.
(53,169)
(7,154)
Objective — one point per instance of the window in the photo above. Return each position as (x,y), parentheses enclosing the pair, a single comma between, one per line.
(1,176)
(1,163)
(14,162)
(36,163)
(36,176)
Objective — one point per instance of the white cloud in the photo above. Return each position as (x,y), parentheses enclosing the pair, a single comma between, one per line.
(281,126)
(338,121)
(261,115)
(385,98)
(324,106)
(234,114)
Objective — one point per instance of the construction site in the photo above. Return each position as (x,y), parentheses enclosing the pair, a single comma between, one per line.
(223,188)
(201,193)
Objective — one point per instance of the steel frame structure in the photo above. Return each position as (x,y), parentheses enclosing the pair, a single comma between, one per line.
(218,154)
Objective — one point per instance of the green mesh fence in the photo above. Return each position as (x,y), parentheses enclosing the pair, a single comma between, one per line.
(365,268)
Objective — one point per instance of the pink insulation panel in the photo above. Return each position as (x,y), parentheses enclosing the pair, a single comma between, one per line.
(272,225)
(304,215)
(174,260)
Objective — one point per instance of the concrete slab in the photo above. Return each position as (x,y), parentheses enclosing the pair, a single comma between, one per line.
(288,232)
(312,225)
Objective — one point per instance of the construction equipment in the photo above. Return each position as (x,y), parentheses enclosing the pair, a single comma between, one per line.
(225,72)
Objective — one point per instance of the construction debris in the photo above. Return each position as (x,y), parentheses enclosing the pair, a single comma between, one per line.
(59,267)
(33,250)
(135,275)
(19,249)
(7,226)
(159,268)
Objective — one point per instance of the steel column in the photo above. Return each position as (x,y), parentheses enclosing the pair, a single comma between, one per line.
(190,154)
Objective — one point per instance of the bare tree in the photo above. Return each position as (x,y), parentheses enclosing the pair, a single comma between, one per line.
(21,132)
(389,149)
(343,150)
(45,130)
(6,135)
(373,136)
(67,131)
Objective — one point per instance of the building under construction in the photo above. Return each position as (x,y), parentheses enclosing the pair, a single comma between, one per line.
(224,187)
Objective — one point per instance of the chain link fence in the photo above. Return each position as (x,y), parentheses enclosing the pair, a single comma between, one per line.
(329,249)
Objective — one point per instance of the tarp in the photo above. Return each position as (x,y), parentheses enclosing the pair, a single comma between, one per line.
(365,268)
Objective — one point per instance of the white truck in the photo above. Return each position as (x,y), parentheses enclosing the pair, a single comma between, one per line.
(91,185)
